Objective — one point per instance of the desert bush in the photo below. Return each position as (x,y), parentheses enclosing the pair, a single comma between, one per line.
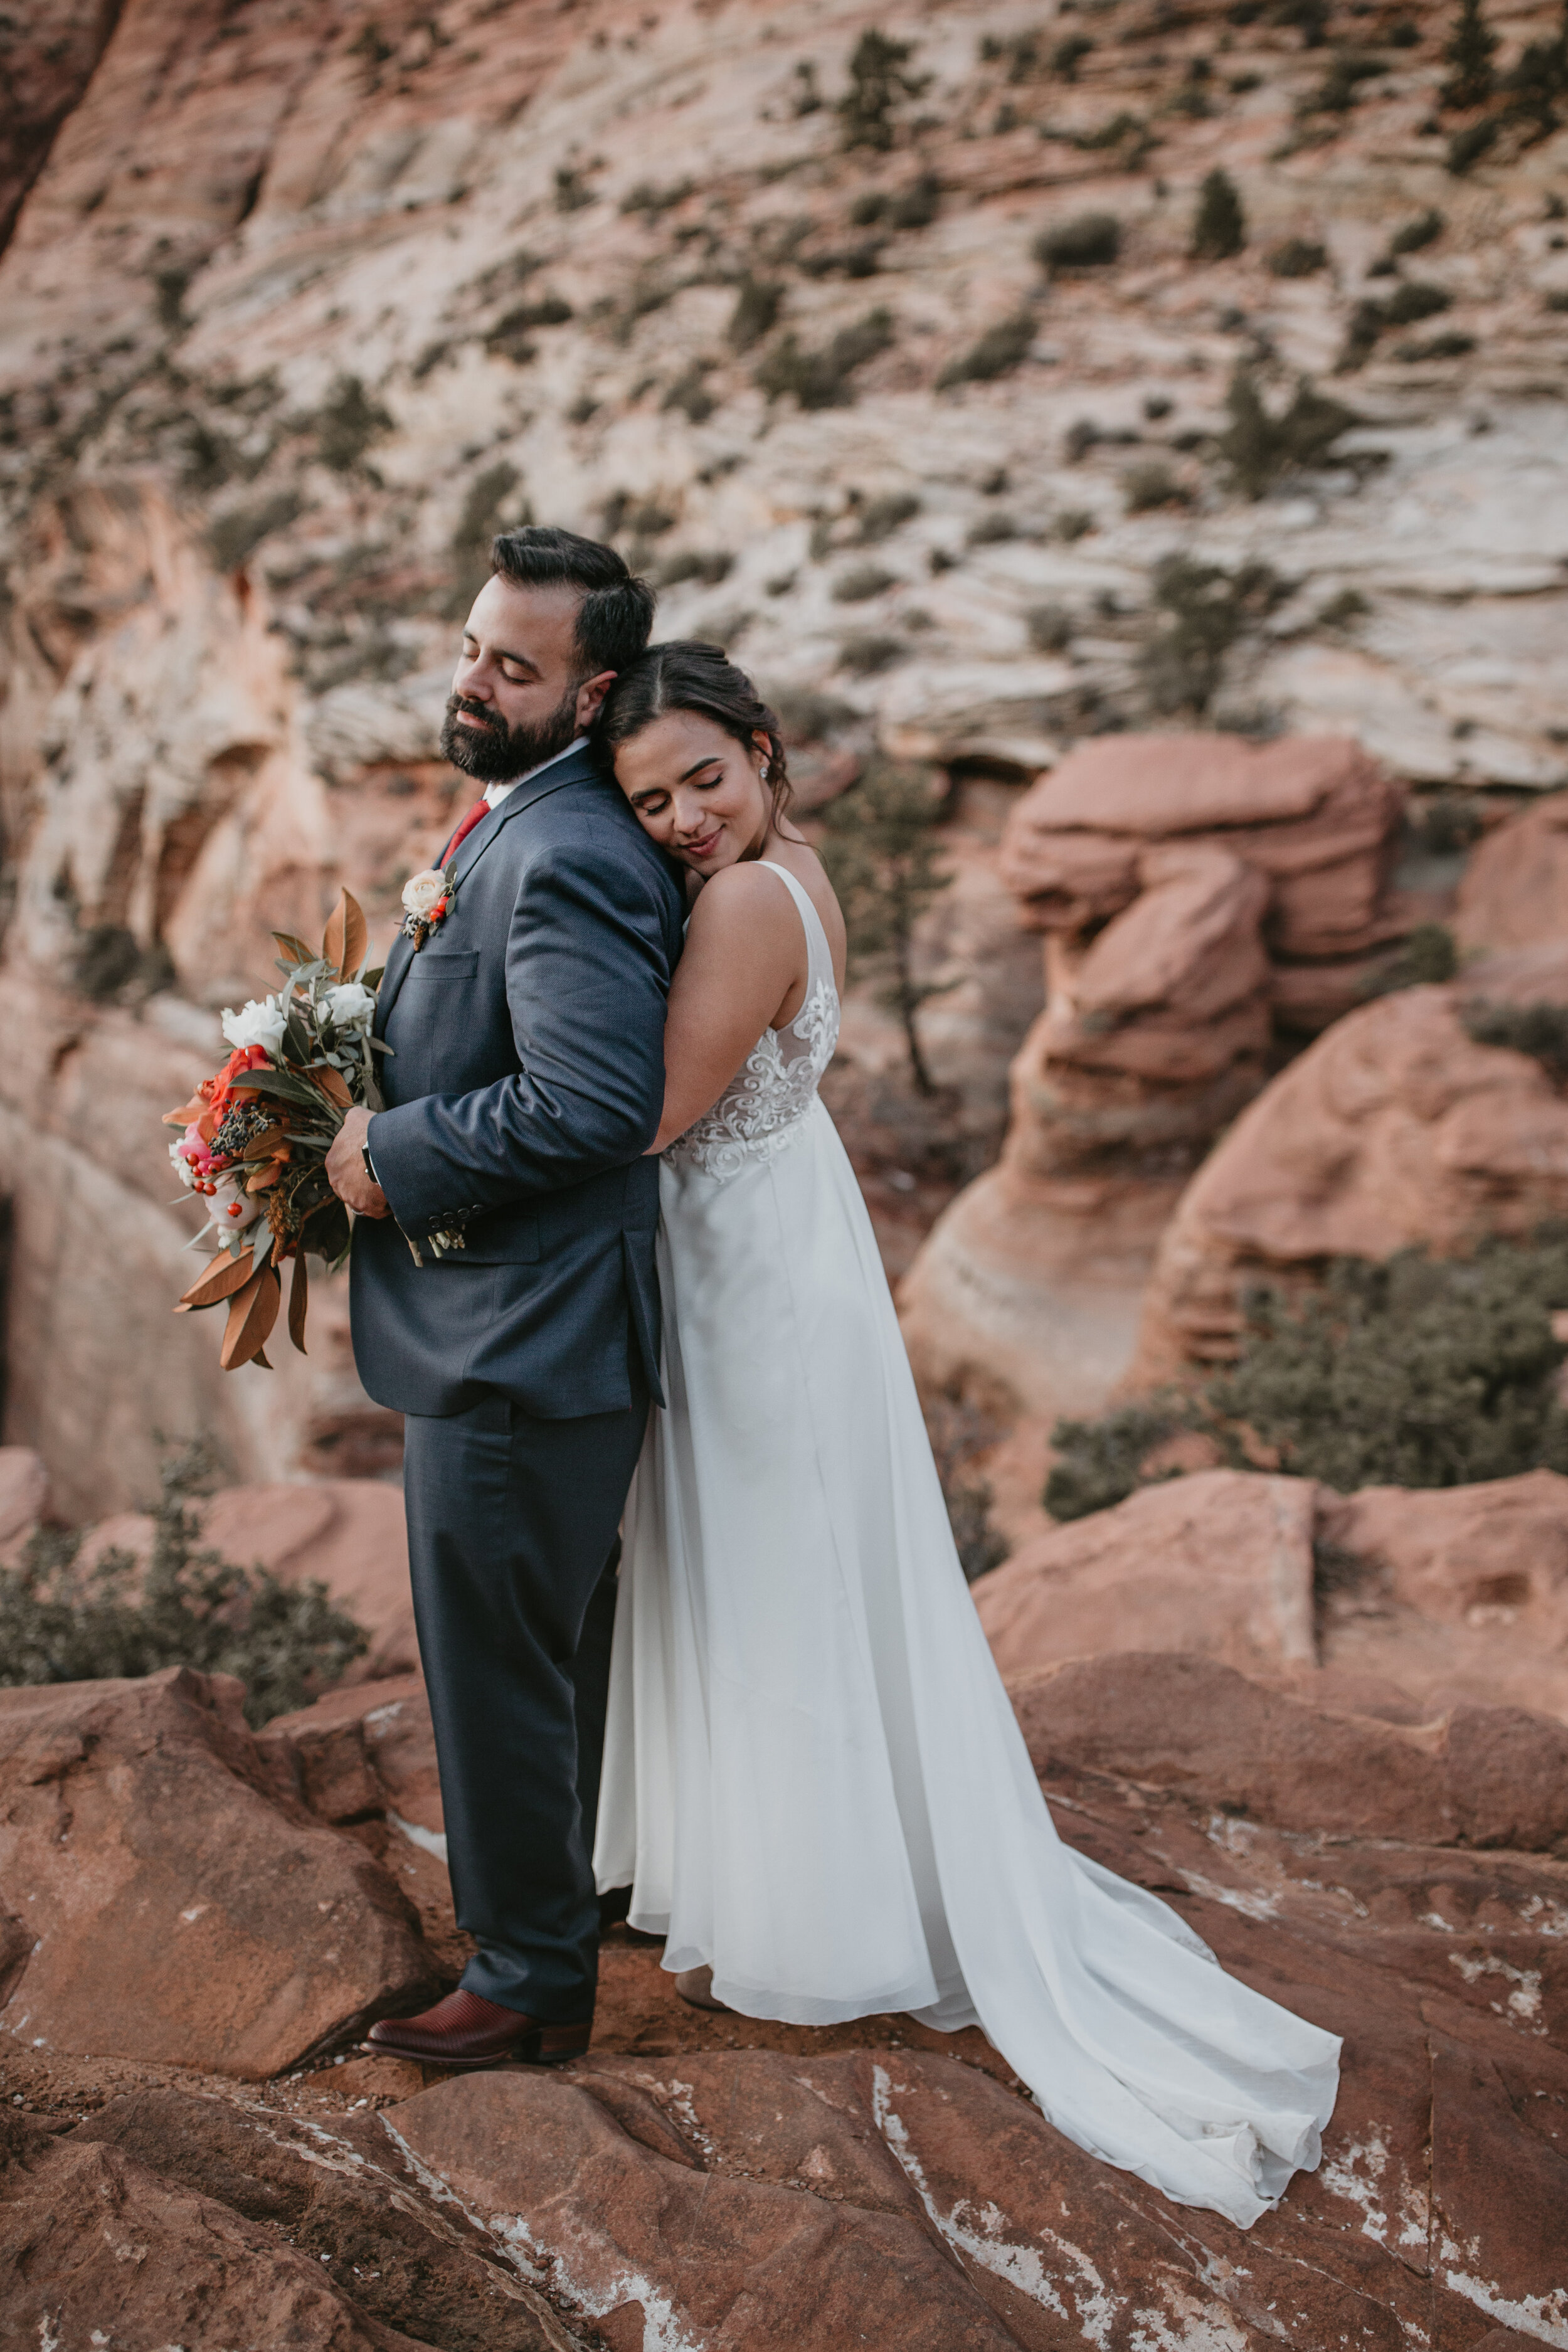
(1299,256)
(756,311)
(62,1621)
(991,529)
(869,652)
(1069,53)
(1257,448)
(823,378)
(959,1432)
(996,353)
(1534,84)
(1418,234)
(1050,628)
(508,338)
(1072,523)
(572,189)
(689,393)
(917,205)
(476,526)
(1449,346)
(1413,1372)
(1426,955)
(808,716)
(237,534)
(1539,1030)
(1081,435)
(1338,92)
(1414,301)
(1344,609)
(1198,612)
(860,582)
(1219,222)
(880,81)
(1151,484)
(880,518)
(1467,147)
(348,421)
(634,518)
(882,853)
(647,197)
(1087,241)
(1556,298)
(710,565)
(1448,825)
(1468,55)
(1099,1463)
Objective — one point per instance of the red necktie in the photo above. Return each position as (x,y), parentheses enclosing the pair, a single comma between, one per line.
(480,809)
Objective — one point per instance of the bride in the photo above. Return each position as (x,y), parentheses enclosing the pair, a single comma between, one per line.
(813,1784)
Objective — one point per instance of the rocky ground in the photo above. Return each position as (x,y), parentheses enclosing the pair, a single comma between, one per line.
(193,2152)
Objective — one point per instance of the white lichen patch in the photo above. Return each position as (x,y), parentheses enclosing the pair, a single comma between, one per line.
(1523,2005)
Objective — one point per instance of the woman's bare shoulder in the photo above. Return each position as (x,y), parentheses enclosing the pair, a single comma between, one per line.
(748,894)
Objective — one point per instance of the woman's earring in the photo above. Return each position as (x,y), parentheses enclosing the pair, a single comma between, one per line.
(764,771)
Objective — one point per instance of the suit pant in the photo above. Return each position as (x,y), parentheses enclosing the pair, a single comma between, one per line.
(512,1545)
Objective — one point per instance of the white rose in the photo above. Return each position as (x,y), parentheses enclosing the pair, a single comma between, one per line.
(181,1165)
(259,1024)
(421,891)
(350,1005)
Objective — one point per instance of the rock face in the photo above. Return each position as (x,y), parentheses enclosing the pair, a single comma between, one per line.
(1196,893)
(1451,1599)
(167,1899)
(1514,889)
(1394,1128)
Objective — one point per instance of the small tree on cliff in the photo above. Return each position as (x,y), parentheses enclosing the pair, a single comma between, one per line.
(1468,58)
(1219,223)
(881,857)
(878,78)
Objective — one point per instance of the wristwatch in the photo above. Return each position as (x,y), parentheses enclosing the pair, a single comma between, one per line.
(369,1165)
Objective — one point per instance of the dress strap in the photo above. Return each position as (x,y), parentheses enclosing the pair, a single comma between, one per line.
(818,954)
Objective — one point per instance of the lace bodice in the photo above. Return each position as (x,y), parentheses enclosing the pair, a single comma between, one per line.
(762,1108)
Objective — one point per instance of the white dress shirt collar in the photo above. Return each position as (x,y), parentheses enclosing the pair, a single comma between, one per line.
(496,793)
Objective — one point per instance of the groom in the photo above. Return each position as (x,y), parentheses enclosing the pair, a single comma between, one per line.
(503,1292)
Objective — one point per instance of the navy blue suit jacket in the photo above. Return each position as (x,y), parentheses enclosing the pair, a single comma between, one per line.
(523,1088)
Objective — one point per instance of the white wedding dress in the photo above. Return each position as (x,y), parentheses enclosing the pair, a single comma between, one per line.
(813,1778)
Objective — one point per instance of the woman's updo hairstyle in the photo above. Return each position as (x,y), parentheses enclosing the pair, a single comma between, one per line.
(687,676)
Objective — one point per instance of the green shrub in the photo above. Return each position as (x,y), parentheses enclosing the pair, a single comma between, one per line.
(1299,256)
(707,564)
(1219,222)
(919,204)
(1467,147)
(689,393)
(476,526)
(1068,55)
(880,850)
(572,189)
(1343,610)
(1199,610)
(646,197)
(992,530)
(860,582)
(1338,92)
(1415,1372)
(1258,448)
(1151,484)
(236,535)
(878,81)
(1539,1030)
(1050,628)
(1072,523)
(823,378)
(1099,1463)
(1418,234)
(756,313)
(1450,346)
(870,651)
(62,1623)
(347,424)
(1468,55)
(880,518)
(1087,241)
(1426,955)
(996,353)
(1414,301)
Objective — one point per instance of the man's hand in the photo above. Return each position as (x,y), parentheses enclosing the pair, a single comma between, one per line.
(346,1172)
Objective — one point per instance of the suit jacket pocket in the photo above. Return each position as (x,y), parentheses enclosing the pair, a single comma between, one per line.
(448,963)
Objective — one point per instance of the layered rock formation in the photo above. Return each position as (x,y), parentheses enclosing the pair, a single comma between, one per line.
(1514,889)
(1396,1128)
(294,312)
(1198,895)
(703,2180)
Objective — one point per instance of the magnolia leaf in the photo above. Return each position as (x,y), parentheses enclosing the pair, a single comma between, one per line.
(372,979)
(283,1086)
(347,936)
(252,1312)
(266,1177)
(294,950)
(332,1085)
(218,1280)
(298,1298)
(263,1249)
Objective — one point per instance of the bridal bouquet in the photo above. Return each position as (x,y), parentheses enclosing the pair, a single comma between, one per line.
(256,1135)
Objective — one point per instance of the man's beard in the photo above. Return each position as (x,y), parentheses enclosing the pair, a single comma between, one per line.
(495,753)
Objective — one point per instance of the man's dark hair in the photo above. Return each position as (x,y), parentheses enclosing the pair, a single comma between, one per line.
(616,613)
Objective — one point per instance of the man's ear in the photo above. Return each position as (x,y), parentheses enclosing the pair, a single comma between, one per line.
(590,695)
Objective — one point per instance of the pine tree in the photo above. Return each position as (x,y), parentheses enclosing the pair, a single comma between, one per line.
(878,81)
(881,853)
(1470,54)
(1219,223)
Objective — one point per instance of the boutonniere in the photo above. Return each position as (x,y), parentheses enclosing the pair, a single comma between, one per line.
(427,900)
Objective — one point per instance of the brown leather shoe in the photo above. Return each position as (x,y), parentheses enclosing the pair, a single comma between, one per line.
(466,2032)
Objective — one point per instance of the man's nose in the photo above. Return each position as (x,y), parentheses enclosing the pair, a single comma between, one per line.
(471,678)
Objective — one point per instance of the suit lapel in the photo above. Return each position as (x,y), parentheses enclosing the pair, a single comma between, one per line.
(553,779)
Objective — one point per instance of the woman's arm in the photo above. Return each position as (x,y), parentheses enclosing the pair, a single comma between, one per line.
(745,951)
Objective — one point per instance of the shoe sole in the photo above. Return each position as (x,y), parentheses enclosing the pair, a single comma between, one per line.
(528,2050)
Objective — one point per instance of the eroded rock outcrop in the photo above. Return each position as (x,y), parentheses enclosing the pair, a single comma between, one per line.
(1395,1128)
(1513,892)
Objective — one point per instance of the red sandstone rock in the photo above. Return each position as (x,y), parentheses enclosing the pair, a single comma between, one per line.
(176,1903)
(1393,1129)
(1219,1563)
(23,1491)
(1514,889)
